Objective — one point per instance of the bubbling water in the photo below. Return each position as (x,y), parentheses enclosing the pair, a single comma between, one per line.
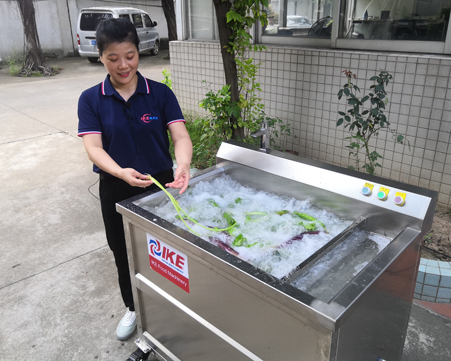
(263,234)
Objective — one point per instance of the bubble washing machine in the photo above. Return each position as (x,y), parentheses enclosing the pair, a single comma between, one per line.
(197,302)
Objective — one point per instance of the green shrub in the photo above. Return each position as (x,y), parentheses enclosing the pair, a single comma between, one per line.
(15,65)
(366,121)
(204,150)
(14,70)
(167,78)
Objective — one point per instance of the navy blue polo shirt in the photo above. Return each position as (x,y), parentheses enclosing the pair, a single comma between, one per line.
(134,133)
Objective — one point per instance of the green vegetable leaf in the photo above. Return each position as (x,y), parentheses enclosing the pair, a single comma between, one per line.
(229,219)
(239,240)
(212,201)
(280,213)
(255,216)
(183,218)
(238,200)
(179,209)
(309,218)
(309,226)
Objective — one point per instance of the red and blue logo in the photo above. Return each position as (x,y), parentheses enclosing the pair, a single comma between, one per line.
(155,248)
(168,262)
(147,118)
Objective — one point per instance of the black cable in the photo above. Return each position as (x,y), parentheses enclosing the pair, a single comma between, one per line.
(435,251)
(89,189)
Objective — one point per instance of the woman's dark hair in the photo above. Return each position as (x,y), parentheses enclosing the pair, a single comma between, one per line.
(114,30)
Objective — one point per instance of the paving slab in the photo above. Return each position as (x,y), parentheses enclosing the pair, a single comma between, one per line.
(66,312)
(48,215)
(428,336)
(14,125)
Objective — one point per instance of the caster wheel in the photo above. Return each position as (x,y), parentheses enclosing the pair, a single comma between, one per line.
(139,355)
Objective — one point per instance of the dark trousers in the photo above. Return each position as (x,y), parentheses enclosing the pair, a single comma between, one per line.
(113,190)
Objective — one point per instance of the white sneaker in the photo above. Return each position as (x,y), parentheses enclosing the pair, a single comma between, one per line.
(126,326)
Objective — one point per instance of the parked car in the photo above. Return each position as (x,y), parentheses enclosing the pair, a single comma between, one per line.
(88,19)
(298,21)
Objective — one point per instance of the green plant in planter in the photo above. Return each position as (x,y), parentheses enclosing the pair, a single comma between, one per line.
(220,107)
(167,78)
(279,130)
(364,122)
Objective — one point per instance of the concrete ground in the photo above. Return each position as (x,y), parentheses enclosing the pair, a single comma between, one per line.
(59,298)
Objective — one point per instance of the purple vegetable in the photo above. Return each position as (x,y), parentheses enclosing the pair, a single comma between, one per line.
(297,238)
(223,246)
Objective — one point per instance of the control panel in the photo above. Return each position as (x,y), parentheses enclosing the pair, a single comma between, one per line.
(383,194)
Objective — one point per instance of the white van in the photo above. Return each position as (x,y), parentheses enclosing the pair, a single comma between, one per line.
(149,39)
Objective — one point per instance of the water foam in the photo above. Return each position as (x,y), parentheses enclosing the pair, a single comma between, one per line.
(257,221)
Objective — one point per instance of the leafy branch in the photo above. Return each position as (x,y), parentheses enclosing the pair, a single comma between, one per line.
(366,122)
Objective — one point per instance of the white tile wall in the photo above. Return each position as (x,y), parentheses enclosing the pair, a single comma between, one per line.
(300,87)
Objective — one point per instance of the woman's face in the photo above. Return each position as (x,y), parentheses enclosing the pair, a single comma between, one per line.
(121,62)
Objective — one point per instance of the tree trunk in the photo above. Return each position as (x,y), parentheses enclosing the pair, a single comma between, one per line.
(32,47)
(228,59)
(169,14)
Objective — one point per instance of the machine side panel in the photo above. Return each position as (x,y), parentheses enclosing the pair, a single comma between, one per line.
(248,319)
(378,326)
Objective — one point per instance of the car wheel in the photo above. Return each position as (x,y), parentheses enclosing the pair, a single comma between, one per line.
(156,49)
(93,59)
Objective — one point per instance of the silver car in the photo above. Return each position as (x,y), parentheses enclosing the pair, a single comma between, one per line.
(149,39)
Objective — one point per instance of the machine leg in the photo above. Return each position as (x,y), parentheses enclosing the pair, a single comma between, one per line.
(139,355)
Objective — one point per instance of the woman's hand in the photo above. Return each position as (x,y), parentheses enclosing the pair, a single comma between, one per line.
(96,153)
(181,178)
(134,178)
(183,149)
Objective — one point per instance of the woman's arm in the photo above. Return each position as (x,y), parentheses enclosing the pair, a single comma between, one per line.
(94,147)
(183,152)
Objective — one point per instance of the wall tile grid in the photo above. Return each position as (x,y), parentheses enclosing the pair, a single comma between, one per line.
(196,68)
(300,87)
(433,281)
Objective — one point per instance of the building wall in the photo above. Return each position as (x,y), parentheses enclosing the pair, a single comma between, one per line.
(300,87)
(56,21)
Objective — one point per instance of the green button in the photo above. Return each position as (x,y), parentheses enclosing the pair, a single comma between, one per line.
(381,195)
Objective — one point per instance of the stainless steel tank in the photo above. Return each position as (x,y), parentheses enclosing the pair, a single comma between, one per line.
(199,302)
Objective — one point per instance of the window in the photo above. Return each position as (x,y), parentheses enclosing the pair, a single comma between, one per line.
(124,16)
(89,21)
(299,18)
(147,21)
(368,25)
(137,20)
(424,20)
(201,18)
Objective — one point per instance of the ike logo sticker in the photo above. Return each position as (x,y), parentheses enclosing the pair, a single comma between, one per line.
(168,262)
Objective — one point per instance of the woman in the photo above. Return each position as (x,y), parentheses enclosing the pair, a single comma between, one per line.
(124,122)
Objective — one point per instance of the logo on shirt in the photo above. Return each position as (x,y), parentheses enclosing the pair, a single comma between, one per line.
(147,118)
